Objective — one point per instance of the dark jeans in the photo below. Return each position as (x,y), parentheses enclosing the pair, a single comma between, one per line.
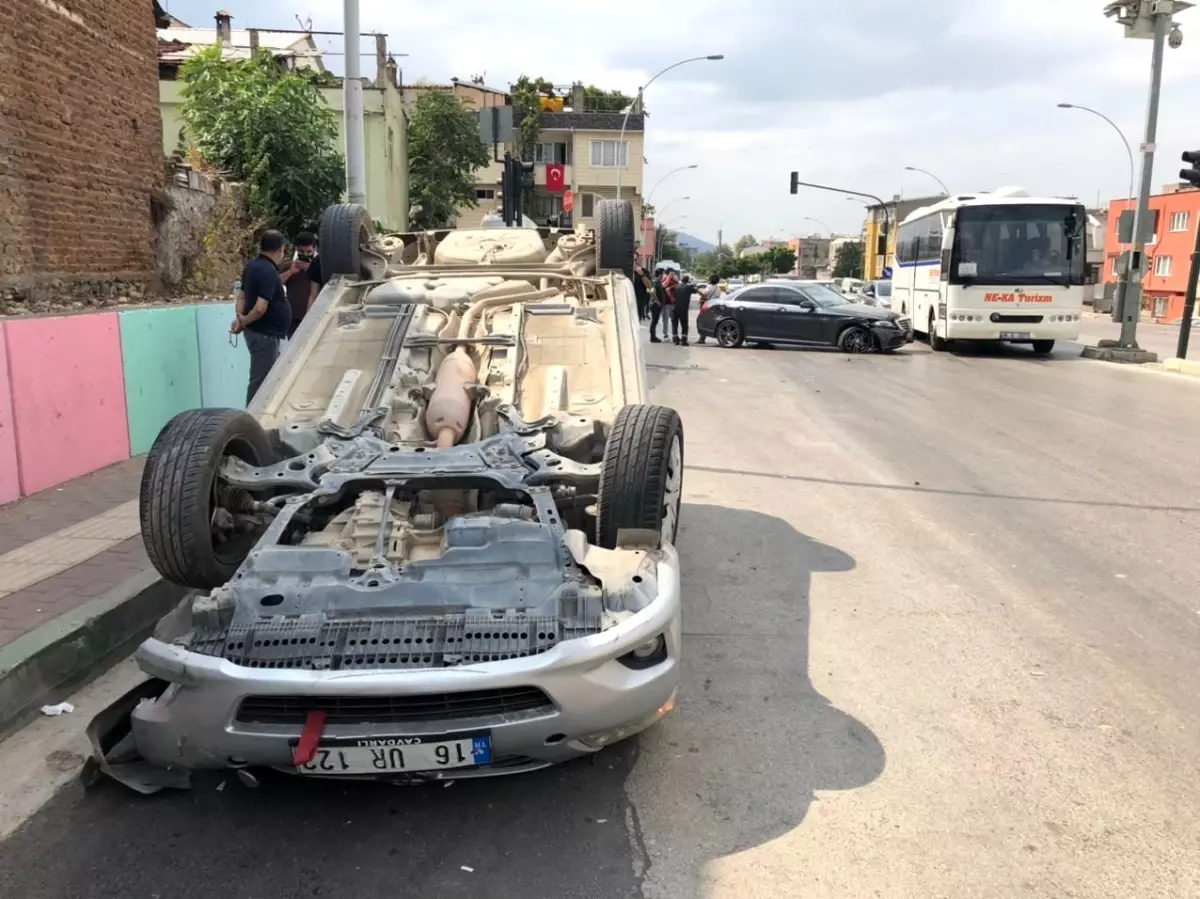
(642,302)
(292,330)
(679,317)
(264,351)
(656,310)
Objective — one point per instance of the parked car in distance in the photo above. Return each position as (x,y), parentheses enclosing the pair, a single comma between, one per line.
(801,312)
(876,293)
(849,286)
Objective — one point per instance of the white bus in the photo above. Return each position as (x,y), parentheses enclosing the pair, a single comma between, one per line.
(993,266)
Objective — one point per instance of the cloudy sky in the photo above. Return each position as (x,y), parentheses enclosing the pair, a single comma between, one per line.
(847,92)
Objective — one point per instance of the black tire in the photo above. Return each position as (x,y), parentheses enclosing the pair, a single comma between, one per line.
(937,344)
(176,501)
(344,229)
(616,236)
(856,339)
(729,334)
(635,474)
(1043,347)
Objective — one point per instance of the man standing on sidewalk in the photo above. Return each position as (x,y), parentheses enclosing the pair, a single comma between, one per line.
(680,310)
(658,302)
(302,279)
(263,313)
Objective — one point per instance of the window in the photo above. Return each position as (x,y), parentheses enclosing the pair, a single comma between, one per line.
(1021,243)
(1160,307)
(551,152)
(485,193)
(1115,273)
(1162,266)
(1179,221)
(605,154)
(548,205)
(920,240)
(587,205)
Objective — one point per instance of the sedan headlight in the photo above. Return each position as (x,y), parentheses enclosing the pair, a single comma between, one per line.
(886,323)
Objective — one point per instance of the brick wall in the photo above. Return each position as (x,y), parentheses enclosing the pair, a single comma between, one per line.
(80,142)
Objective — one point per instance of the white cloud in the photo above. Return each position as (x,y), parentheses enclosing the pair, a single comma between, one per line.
(847,93)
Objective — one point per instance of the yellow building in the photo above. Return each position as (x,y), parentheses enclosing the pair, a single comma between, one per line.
(385,125)
(585,141)
(896,211)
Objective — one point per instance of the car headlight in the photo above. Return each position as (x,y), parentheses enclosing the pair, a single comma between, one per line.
(886,323)
(647,655)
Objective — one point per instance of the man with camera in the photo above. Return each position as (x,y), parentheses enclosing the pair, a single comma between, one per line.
(302,278)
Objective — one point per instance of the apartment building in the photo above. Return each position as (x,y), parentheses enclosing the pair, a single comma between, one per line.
(893,213)
(582,138)
(1168,252)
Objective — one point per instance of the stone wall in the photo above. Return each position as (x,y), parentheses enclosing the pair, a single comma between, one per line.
(80,148)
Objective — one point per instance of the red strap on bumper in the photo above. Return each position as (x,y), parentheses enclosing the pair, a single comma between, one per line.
(314,725)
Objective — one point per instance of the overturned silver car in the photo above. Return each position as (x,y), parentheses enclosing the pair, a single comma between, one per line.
(440,544)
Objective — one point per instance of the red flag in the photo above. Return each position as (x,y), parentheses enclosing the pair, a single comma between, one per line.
(568,201)
(556,178)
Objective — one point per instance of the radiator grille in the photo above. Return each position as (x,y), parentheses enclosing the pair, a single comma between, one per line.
(414,709)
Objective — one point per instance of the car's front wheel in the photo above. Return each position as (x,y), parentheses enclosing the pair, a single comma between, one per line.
(856,339)
(189,518)
(729,333)
(641,479)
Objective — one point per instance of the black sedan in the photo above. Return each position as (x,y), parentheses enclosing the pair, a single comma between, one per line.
(797,312)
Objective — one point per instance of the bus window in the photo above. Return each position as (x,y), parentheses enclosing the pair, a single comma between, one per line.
(1010,244)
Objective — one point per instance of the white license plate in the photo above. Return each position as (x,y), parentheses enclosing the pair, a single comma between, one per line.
(391,755)
(1015,335)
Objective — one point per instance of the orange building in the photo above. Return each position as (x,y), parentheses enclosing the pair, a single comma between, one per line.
(1169,254)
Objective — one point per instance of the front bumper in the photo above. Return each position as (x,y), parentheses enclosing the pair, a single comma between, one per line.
(892,338)
(594,700)
(988,330)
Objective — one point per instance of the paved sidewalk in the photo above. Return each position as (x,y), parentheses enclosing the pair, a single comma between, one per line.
(68,545)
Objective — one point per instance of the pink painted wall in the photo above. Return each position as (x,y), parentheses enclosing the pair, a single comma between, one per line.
(10,484)
(68,397)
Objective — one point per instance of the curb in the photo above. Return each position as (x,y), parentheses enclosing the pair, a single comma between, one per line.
(74,648)
(1189,367)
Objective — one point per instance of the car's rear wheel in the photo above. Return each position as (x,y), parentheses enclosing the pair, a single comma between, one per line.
(189,532)
(616,236)
(641,479)
(729,333)
(345,227)
(856,339)
(1043,347)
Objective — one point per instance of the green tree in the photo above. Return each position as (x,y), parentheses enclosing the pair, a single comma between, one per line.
(746,240)
(600,100)
(269,128)
(848,261)
(444,152)
(527,95)
(666,243)
(777,260)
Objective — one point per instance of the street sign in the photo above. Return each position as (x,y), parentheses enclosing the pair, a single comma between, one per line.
(568,201)
(887,271)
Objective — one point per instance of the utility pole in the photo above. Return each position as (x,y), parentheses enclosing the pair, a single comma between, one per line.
(1144,19)
(1191,176)
(356,168)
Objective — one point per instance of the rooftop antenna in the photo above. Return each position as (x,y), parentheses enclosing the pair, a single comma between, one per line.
(479,79)
(305,24)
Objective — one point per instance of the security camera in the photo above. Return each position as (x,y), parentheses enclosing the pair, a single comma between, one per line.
(1175,38)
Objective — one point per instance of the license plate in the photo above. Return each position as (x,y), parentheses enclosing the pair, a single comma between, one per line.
(1015,335)
(392,755)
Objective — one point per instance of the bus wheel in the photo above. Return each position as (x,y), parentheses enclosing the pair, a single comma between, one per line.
(1043,347)
(937,344)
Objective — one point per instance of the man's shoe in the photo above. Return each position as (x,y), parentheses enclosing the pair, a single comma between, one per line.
(654,339)
(683,341)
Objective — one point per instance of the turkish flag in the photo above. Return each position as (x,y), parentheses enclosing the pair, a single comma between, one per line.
(556,178)
(568,201)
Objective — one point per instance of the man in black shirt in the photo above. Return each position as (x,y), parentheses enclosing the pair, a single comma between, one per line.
(681,309)
(263,313)
(641,291)
(302,278)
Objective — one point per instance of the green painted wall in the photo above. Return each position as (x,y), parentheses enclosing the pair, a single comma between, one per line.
(162,369)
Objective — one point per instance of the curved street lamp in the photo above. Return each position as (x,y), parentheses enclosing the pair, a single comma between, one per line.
(669,203)
(809,218)
(682,168)
(1120,134)
(913,168)
(638,99)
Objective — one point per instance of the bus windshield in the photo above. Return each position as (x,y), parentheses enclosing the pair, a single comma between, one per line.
(1026,243)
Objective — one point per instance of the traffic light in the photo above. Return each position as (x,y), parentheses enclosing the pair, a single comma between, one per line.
(1192,175)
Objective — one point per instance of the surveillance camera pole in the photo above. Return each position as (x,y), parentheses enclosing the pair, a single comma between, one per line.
(1136,24)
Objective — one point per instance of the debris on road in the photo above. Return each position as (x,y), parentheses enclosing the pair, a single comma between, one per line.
(62,708)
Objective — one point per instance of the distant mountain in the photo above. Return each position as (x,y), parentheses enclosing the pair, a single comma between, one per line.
(695,244)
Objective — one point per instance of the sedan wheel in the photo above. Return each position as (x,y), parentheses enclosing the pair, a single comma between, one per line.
(856,340)
(729,334)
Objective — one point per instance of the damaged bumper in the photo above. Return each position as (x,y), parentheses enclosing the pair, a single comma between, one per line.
(530,712)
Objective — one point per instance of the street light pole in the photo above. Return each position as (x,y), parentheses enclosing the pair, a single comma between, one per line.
(667,205)
(682,168)
(638,101)
(356,178)
(809,218)
(1138,20)
(1123,283)
(941,183)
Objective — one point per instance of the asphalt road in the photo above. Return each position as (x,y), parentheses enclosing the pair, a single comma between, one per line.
(943,630)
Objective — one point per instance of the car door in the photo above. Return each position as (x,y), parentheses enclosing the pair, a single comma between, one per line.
(754,310)
(820,325)
(796,316)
